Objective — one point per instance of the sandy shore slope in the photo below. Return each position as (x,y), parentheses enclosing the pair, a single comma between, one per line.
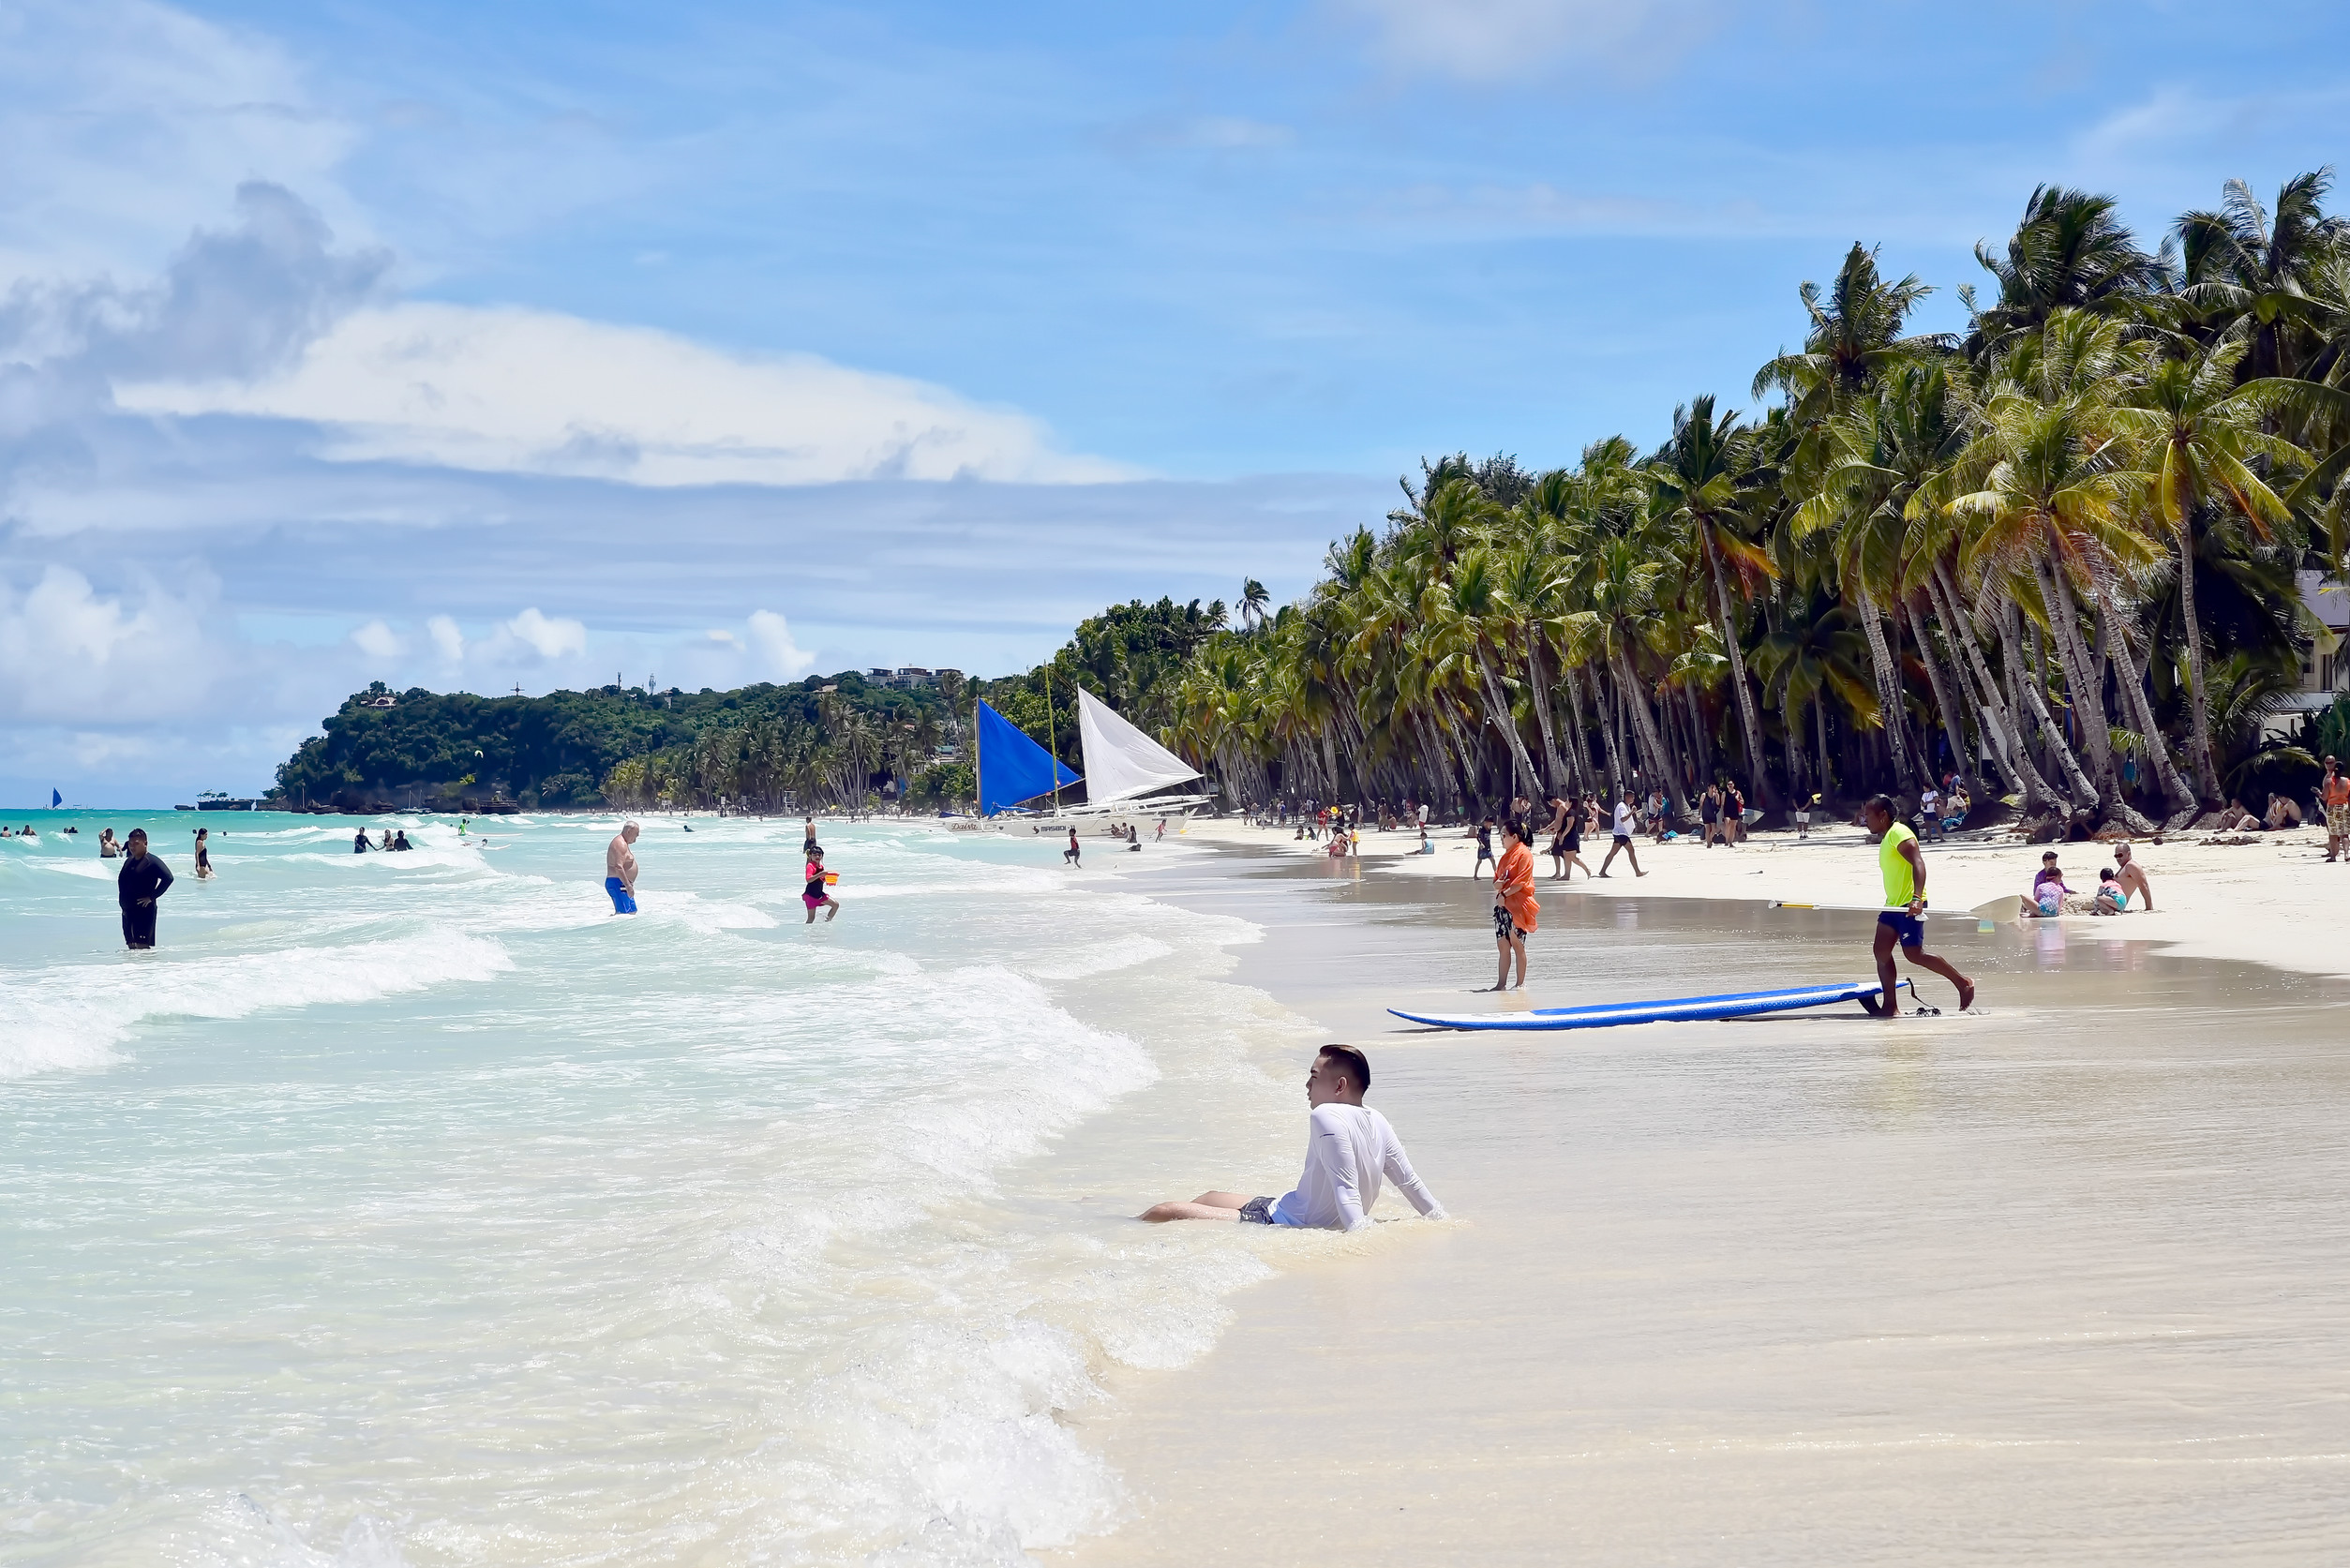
(2274,901)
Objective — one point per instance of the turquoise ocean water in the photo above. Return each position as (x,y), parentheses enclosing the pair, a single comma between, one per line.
(414,1209)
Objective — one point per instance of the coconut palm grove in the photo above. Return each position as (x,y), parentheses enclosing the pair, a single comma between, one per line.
(2057,554)
(2062,554)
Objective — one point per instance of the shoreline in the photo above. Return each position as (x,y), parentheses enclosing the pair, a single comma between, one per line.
(1678,1261)
(2211,896)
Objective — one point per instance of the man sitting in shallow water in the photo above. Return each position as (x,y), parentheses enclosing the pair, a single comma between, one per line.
(1349,1146)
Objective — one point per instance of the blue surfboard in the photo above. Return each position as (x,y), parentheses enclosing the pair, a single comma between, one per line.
(1604,1015)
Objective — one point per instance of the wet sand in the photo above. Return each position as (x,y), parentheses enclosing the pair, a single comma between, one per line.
(2066,1282)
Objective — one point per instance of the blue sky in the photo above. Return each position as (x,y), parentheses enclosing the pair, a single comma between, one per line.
(340,335)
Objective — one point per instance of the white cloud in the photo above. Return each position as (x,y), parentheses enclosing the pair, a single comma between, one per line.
(779,657)
(549,637)
(722,639)
(379,641)
(530,392)
(74,656)
(124,121)
(1489,40)
(446,638)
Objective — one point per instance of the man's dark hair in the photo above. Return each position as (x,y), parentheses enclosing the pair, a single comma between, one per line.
(1883,803)
(1356,1065)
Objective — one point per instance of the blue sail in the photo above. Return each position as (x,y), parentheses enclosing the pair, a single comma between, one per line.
(1013,768)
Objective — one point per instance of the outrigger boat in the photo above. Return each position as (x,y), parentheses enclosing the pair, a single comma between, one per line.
(1123,768)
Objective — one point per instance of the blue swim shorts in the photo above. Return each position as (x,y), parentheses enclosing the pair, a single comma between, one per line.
(623,902)
(1910,928)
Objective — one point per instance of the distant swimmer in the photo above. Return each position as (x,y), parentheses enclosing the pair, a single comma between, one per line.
(203,855)
(144,879)
(1071,855)
(619,870)
(1902,920)
(1349,1147)
(816,894)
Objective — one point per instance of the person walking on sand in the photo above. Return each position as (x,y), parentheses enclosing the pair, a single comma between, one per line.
(1555,830)
(144,879)
(1072,855)
(1622,831)
(1485,846)
(1349,1147)
(2333,793)
(1514,903)
(1902,920)
(619,870)
(817,893)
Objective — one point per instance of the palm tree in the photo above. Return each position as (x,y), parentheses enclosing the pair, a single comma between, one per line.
(1696,484)
(2205,435)
(2069,253)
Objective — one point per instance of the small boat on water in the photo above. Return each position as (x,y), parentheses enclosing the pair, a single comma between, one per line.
(1123,766)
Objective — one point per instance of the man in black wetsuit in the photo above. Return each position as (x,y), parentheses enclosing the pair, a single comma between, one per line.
(143,879)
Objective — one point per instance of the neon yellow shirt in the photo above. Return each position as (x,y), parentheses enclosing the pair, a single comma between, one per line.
(1901,878)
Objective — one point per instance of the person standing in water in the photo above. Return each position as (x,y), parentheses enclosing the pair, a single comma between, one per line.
(1902,921)
(619,870)
(203,855)
(807,837)
(359,842)
(1071,857)
(1514,903)
(818,894)
(144,879)
(106,848)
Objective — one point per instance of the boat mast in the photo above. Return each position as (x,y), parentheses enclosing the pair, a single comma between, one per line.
(1051,739)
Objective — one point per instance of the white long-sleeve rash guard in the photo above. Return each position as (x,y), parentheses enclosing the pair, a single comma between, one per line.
(1348,1148)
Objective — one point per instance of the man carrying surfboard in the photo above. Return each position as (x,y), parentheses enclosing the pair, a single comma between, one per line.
(1902,921)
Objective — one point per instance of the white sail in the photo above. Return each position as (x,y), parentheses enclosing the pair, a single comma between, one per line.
(1120,760)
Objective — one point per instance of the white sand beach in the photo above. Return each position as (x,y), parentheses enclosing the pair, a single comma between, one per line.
(2263,902)
(2056,1282)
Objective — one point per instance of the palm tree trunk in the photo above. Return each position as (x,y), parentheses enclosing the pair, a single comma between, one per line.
(1645,720)
(1497,706)
(1604,700)
(2199,702)
(1820,720)
(1697,726)
(1580,769)
(2080,679)
(2182,795)
(1888,686)
(1954,723)
(2028,687)
(1539,698)
(1992,716)
(1749,722)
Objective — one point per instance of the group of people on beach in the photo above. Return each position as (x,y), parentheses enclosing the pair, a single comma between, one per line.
(2117,885)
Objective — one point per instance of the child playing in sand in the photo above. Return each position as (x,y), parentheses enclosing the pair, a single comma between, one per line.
(2048,890)
(2112,897)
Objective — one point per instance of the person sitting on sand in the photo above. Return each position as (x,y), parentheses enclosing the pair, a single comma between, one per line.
(2112,897)
(1349,1147)
(2048,890)
(2132,876)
